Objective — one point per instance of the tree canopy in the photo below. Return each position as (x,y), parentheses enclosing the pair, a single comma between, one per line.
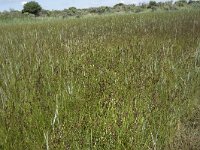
(32,7)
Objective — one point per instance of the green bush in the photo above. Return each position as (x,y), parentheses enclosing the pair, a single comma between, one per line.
(32,7)
(152,4)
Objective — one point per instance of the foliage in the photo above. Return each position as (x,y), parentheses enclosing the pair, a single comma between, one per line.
(181,3)
(193,1)
(152,4)
(72,11)
(32,7)
(119,5)
(194,4)
(100,10)
(104,10)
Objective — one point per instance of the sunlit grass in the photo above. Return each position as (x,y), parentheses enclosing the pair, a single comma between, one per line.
(112,82)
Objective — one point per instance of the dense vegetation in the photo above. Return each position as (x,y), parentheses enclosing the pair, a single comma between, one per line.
(106,82)
(34,8)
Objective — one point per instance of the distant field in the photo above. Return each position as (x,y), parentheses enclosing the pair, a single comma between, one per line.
(107,82)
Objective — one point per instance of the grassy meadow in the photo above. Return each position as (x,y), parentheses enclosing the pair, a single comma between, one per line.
(108,82)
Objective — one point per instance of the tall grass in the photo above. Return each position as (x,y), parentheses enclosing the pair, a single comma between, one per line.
(112,82)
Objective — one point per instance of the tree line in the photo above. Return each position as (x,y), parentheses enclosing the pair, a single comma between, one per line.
(34,9)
